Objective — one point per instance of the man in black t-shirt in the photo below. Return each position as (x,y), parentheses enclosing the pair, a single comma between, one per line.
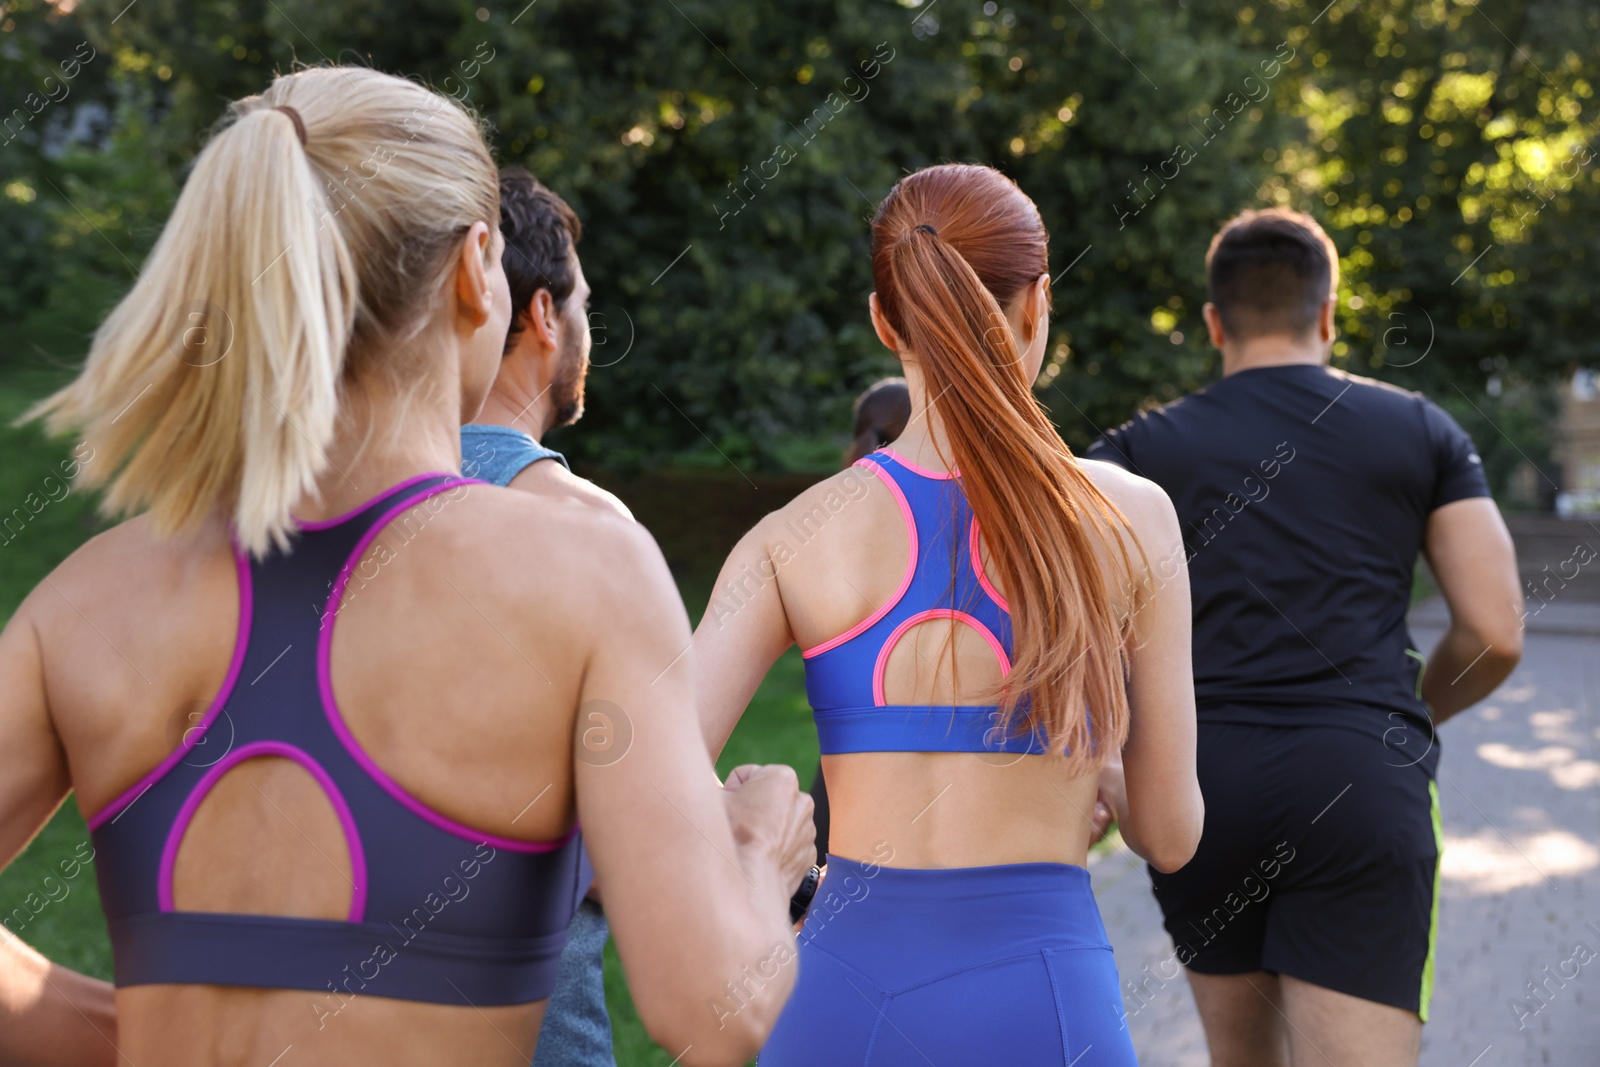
(1306,919)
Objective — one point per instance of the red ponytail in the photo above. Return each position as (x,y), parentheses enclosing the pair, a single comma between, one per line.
(951,246)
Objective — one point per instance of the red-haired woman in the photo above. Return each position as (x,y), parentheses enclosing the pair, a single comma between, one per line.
(992,629)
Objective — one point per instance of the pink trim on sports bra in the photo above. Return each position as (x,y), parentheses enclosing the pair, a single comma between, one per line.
(255,750)
(882,665)
(328,524)
(905,582)
(973,535)
(336,720)
(943,476)
(192,736)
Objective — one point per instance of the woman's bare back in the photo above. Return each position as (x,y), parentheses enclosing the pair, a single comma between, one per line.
(457,661)
(838,552)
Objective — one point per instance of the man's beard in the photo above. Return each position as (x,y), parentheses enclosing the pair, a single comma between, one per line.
(566,388)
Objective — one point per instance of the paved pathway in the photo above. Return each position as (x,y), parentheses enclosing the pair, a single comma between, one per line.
(1519,784)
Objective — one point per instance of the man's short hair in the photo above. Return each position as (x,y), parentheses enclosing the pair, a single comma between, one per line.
(1269,272)
(541,234)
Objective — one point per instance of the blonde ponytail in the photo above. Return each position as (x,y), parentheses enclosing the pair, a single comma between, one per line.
(284,271)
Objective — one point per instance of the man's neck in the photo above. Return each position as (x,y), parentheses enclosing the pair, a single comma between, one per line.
(518,408)
(1272,352)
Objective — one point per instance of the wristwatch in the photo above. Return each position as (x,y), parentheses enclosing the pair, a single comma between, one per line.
(802,896)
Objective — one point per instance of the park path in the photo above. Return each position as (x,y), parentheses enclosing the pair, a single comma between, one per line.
(1519,785)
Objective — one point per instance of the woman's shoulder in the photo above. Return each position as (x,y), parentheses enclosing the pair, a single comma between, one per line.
(135,556)
(815,506)
(1144,507)
(554,480)
(1140,500)
(564,537)
(132,594)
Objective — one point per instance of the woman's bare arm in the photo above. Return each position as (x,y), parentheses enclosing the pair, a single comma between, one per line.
(743,632)
(1155,792)
(697,877)
(49,1015)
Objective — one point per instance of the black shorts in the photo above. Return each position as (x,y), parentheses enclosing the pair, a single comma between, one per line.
(1319,860)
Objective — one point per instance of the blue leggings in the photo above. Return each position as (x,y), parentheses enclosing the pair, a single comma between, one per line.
(953,968)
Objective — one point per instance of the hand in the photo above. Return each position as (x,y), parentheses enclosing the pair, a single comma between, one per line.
(770,814)
(1110,801)
(1101,823)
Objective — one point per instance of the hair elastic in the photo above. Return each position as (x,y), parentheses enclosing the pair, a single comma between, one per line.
(927,229)
(294,117)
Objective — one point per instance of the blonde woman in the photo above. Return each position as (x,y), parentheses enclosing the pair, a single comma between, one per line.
(317,699)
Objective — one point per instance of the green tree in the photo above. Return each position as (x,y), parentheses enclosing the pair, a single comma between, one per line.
(726,158)
(1451,151)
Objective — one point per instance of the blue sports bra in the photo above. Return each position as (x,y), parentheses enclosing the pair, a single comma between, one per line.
(410,933)
(943,579)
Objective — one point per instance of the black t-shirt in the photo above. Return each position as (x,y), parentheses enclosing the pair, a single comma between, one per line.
(1304,495)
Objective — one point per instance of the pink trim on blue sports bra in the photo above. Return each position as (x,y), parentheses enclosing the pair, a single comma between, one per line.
(905,582)
(845,675)
(938,476)
(882,664)
(975,550)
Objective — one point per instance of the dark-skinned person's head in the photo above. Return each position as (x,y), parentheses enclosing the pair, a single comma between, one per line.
(547,347)
(879,416)
(1271,277)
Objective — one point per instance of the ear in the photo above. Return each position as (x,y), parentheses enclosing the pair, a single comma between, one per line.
(1036,310)
(880,324)
(541,317)
(1214,325)
(474,300)
(1325,328)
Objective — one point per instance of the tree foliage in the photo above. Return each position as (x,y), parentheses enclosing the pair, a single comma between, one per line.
(726,155)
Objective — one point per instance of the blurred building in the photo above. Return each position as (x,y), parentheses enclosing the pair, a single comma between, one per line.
(1577,446)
